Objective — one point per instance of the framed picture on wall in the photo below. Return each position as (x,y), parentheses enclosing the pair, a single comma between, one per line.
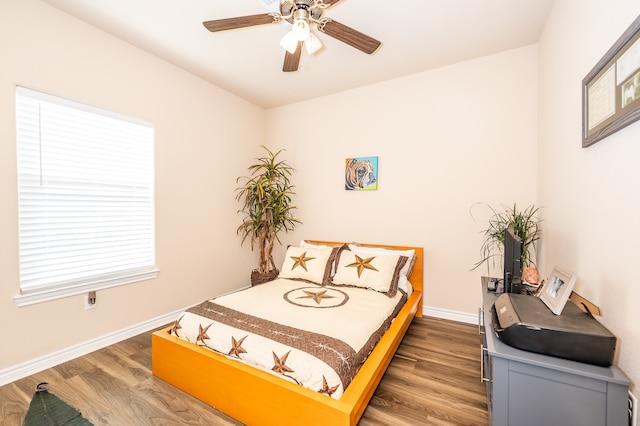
(611,90)
(557,289)
(361,174)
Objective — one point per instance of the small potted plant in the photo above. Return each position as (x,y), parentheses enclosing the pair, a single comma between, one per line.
(266,196)
(526,225)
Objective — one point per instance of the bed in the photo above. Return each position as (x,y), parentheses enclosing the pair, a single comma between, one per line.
(257,397)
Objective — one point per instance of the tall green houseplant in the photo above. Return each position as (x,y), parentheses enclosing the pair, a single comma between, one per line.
(266,197)
(526,225)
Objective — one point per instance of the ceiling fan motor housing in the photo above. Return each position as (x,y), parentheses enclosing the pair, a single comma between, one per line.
(289,7)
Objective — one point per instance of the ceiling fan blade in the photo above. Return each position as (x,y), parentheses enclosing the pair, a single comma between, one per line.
(349,36)
(292,60)
(240,22)
(330,2)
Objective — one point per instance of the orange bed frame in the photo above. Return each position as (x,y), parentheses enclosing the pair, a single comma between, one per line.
(255,397)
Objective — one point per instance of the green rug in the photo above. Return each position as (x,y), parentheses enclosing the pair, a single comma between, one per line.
(47,409)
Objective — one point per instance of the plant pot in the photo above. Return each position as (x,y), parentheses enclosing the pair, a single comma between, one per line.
(258,278)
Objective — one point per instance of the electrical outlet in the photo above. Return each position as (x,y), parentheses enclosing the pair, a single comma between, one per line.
(633,410)
(90,300)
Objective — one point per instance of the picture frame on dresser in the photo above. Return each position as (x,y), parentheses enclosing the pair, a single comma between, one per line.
(557,289)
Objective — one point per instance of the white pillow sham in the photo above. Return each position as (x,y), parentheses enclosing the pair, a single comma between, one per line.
(403,281)
(373,271)
(310,264)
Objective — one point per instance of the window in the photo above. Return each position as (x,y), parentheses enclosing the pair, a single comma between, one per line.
(85,197)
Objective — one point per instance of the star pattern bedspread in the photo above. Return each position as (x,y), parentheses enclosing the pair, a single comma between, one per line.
(315,336)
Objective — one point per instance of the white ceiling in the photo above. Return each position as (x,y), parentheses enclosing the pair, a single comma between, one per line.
(416,35)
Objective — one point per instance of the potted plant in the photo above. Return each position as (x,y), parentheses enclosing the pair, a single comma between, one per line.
(526,225)
(266,204)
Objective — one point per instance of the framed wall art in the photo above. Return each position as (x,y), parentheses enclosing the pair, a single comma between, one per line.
(557,289)
(611,90)
(361,174)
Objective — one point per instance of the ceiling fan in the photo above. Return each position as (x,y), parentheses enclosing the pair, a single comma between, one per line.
(300,13)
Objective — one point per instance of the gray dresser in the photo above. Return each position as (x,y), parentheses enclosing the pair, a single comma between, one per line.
(529,389)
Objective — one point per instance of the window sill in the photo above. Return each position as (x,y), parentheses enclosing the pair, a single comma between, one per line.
(47,295)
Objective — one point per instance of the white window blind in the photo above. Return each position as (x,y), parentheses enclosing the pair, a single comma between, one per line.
(85,180)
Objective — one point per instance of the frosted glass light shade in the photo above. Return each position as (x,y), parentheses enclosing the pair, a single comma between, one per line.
(300,29)
(289,42)
(312,44)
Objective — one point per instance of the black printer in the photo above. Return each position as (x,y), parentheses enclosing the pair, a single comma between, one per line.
(526,323)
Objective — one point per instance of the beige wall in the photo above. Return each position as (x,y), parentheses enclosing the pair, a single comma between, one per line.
(445,139)
(199,151)
(592,195)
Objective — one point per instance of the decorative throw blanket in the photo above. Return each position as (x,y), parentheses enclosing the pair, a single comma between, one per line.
(47,409)
(315,336)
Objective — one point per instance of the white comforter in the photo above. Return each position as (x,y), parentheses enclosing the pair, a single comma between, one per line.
(315,336)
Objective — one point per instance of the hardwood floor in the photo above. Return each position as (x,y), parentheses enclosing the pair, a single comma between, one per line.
(434,379)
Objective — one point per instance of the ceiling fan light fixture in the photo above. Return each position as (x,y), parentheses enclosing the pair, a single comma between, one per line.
(312,44)
(300,29)
(289,42)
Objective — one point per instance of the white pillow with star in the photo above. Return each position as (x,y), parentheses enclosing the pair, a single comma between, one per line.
(376,272)
(309,264)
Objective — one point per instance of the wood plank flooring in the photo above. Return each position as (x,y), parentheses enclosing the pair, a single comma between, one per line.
(434,379)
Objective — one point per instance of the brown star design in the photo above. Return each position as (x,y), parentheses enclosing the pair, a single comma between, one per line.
(326,389)
(362,264)
(176,327)
(280,364)
(236,347)
(202,333)
(301,261)
(316,296)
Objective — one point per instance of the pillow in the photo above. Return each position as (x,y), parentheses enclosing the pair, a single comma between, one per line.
(373,271)
(405,273)
(310,264)
(340,246)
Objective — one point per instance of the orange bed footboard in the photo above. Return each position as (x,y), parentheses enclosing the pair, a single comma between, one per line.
(255,397)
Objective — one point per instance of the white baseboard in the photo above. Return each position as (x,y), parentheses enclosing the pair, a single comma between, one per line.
(29,368)
(450,315)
